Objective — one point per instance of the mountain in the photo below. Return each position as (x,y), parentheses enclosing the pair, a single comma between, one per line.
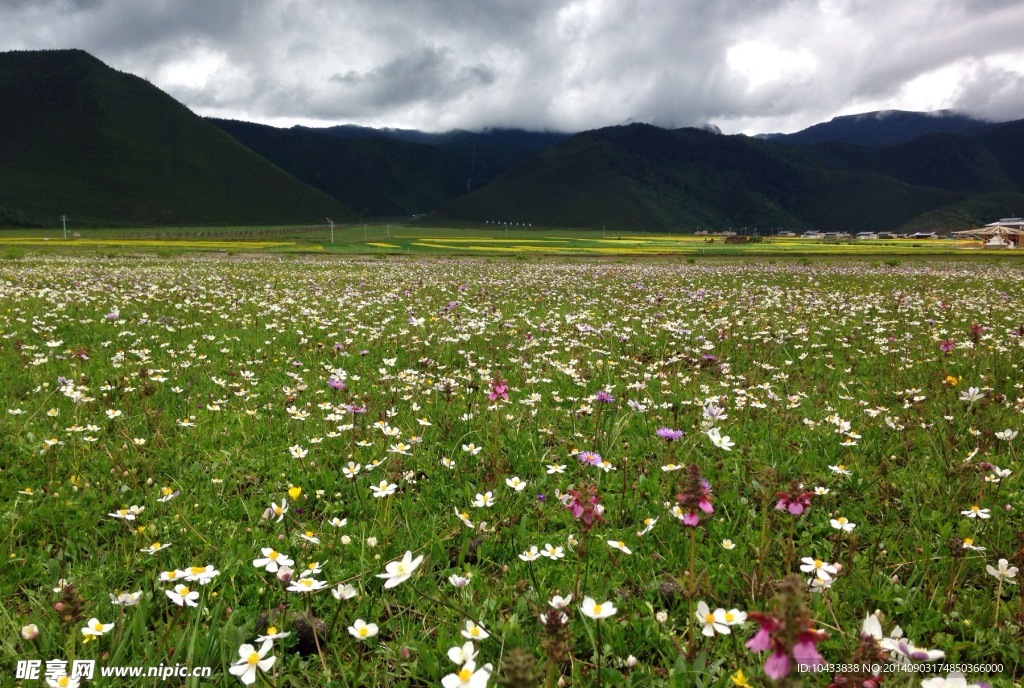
(375,176)
(80,138)
(881,128)
(642,177)
(390,172)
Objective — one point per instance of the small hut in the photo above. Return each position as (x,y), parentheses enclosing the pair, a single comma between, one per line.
(1005,233)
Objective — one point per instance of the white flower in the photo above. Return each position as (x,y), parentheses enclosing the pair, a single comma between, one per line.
(475,632)
(94,628)
(126,599)
(619,545)
(397,572)
(202,574)
(952,680)
(719,440)
(1005,573)
(482,500)
(552,552)
(344,591)
(531,554)
(361,630)
(468,677)
(472,448)
(840,470)
(272,560)
(971,394)
(250,660)
(383,489)
(464,654)
(842,524)
(821,568)
(306,585)
(728,544)
(515,483)
(711,622)
(62,680)
(181,596)
(597,611)
(976,512)
(1007,435)
(559,602)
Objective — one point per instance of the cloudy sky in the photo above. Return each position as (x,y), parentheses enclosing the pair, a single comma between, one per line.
(746,65)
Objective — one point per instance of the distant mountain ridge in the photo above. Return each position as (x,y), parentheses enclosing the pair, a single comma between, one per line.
(880,128)
(643,177)
(80,138)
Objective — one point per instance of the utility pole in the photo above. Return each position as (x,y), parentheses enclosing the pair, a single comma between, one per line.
(332,228)
(64,222)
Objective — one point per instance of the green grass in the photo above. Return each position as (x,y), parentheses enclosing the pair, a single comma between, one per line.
(211,378)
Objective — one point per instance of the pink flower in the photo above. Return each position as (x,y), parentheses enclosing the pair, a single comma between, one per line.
(777,665)
(499,388)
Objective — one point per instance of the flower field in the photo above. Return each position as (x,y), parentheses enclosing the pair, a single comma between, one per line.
(325,471)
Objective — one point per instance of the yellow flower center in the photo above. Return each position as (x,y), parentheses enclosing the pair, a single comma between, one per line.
(363,632)
(166,490)
(273,555)
(729,616)
(842,520)
(817,563)
(62,681)
(171,575)
(597,609)
(97,627)
(156,545)
(272,630)
(277,510)
(968,541)
(254,659)
(309,533)
(313,565)
(975,508)
(709,617)
(841,467)
(124,512)
(621,543)
(196,570)
(183,591)
(465,675)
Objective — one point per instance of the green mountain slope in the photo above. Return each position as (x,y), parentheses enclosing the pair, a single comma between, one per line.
(375,176)
(642,177)
(389,172)
(80,138)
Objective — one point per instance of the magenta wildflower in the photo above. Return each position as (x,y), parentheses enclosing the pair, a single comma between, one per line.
(696,495)
(794,501)
(589,457)
(788,633)
(584,506)
(946,346)
(604,397)
(499,388)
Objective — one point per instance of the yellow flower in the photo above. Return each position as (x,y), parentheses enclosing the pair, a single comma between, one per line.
(294,492)
(951,381)
(738,679)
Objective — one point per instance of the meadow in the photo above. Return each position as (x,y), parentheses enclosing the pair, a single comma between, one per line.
(330,470)
(513,241)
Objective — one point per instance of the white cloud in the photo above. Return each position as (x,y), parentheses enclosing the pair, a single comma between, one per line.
(748,65)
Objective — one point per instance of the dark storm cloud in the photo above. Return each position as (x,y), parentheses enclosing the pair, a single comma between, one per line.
(559,64)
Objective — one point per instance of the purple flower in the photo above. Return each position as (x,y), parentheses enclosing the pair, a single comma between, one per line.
(604,397)
(335,384)
(589,457)
(669,435)
(946,346)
